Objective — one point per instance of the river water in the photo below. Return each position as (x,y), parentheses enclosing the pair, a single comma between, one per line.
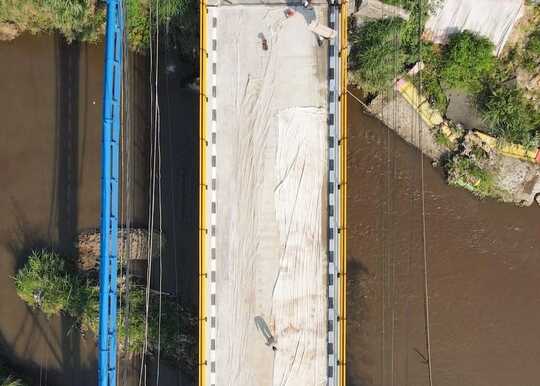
(483,273)
(50,152)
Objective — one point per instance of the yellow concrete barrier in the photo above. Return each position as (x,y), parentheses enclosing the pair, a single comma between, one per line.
(509,149)
(202,194)
(433,118)
(342,376)
(408,90)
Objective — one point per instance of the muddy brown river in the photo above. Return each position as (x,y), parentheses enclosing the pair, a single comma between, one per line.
(50,149)
(483,274)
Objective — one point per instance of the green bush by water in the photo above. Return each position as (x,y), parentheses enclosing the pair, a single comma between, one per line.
(48,283)
(466,173)
(84,20)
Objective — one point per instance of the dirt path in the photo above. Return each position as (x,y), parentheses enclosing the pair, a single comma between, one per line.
(483,274)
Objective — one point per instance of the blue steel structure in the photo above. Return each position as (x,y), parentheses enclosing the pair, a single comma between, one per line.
(112,89)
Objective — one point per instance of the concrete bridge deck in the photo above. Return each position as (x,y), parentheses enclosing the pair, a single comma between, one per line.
(269,203)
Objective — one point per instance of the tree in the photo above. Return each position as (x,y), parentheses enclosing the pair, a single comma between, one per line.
(467,60)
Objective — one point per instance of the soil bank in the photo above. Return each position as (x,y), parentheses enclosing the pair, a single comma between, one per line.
(483,273)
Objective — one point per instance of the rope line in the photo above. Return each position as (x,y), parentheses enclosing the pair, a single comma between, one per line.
(423,201)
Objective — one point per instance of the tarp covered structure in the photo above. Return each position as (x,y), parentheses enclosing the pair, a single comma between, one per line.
(493,19)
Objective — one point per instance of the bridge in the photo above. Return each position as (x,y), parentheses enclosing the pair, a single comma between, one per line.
(272,219)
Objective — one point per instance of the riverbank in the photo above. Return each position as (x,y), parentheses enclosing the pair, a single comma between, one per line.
(471,159)
(482,272)
(472,110)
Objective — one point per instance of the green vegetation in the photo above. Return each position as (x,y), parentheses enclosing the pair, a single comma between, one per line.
(84,20)
(466,173)
(375,57)
(382,49)
(531,54)
(75,19)
(47,283)
(442,139)
(509,115)
(7,378)
(142,16)
(467,61)
(429,81)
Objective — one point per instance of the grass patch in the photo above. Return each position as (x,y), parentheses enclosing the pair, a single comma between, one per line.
(45,283)
(381,50)
(509,115)
(375,59)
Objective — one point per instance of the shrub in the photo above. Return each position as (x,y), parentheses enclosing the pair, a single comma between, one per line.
(466,173)
(48,284)
(428,80)
(411,33)
(467,60)
(509,115)
(141,17)
(45,283)
(176,333)
(375,57)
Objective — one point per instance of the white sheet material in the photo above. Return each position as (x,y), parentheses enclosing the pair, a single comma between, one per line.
(300,293)
(493,19)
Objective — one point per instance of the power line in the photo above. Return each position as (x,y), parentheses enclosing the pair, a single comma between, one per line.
(423,201)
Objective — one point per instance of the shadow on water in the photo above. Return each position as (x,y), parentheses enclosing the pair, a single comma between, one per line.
(178,110)
(179,177)
(64,345)
(66,184)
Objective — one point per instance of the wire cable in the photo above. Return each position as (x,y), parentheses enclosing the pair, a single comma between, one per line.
(423,203)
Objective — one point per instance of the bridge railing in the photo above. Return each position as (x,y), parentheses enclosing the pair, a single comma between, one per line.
(342,279)
(203,277)
(112,94)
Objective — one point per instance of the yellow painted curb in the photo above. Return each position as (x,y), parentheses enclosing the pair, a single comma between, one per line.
(342,365)
(202,194)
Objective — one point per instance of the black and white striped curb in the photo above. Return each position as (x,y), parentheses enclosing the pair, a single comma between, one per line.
(212,15)
(333,195)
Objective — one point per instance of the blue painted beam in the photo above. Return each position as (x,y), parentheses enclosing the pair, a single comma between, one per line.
(112,88)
